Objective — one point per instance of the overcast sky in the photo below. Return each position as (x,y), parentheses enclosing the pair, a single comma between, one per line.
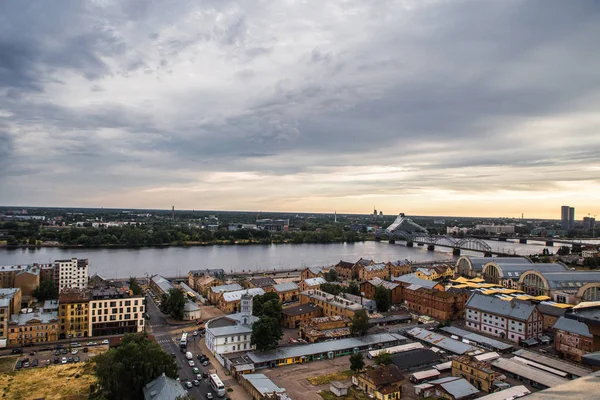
(487,108)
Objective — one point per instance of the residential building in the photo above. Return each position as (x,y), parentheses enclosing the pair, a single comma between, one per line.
(367,304)
(344,270)
(164,388)
(74,313)
(215,292)
(444,270)
(564,218)
(260,387)
(472,267)
(33,327)
(273,225)
(398,268)
(288,292)
(572,339)
(431,273)
(48,272)
(160,285)
(384,382)
(512,320)
(312,272)
(10,303)
(293,317)
(443,306)
(230,302)
(479,373)
(589,222)
(366,272)
(233,332)
(72,274)
(331,305)
(8,273)
(28,280)
(265,283)
(368,289)
(115,312)
(359,266)
(569,287)
(311,283)
(202,283)
(325,328)
(496,229)
(451,388)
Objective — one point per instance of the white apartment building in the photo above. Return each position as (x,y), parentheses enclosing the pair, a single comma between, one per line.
(71,273)
(233,332)
(115,312)
(512,320)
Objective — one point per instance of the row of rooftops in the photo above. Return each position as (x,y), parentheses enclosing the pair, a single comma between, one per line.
(337,301)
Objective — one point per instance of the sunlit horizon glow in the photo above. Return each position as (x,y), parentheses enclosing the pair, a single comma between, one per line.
(441,108)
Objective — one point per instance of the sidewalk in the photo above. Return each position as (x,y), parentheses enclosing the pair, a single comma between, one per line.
(230,382)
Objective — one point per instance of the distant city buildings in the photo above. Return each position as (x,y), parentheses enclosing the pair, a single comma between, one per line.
(567,218)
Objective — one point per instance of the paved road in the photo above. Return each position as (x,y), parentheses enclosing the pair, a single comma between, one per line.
(167,337)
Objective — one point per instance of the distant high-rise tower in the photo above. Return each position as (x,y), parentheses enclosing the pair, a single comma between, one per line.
(335,216)
(374,211)
(173,212)
(571,217)
(567,218)
(381,213)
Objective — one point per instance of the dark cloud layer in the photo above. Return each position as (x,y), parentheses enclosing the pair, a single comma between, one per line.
(202,100)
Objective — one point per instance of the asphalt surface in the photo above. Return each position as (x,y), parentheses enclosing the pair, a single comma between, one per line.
(168,338)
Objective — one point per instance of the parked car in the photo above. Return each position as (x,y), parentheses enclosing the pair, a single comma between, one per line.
(26,364)
(63,360)
(198,377)
(173,355)
(70,359)
(47,362)
(16,351)
(56,360)
(195,333)
(195,382)
(32,353)
(19,365)
(205,363)
(189,385)
(74,351)
(196,370)
(205,375)
(191,363)
(200,357)
(75,344)
(105,341)
(64,351)
(209,396)
(76,359)
(34,363)
(57,353)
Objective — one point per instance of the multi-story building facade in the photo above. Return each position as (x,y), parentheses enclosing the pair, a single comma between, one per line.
(10,303)
(230,302)
(511,320)
(550,315)
(265,283)
(331,305)
(398,268)
(344,270)
(293,317)
(288,292)
(367,272)
(572,339)
(215,292)
(443,306)
(33,327)
(73,313)
(202,283)
(571,287)
(312,272)
(28,280)
(8,273)
(368,289)
(325,328)
(72,273)
(480,374)
(115,312)
(311,283)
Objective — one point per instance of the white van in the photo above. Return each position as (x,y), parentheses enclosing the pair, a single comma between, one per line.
(189,355)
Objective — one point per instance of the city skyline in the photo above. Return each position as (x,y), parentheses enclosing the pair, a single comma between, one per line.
(449,108)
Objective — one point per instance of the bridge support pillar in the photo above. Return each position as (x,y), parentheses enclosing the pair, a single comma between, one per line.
(502,239)
(456,252)
(487,254)
(430,247)
(392,241)
(409,244)
(523,241)
(549,243)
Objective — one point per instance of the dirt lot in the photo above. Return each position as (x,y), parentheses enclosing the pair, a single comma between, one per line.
(294,377)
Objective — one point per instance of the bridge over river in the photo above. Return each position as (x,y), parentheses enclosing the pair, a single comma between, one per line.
(403,228)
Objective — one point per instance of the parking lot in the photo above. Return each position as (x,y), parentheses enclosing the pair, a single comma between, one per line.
(58,355)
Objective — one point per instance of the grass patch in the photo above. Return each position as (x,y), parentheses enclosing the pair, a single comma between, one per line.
(323,379)
(352,395)
(69,382)
(7,364)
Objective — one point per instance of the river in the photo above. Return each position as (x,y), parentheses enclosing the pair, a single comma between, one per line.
(177,261)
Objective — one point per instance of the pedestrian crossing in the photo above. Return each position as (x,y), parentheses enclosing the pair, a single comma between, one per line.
(163,341)
(157,325)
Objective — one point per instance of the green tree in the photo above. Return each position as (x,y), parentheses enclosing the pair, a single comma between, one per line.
(46,290)
(360,323)
(259,301)
(331,276)
(124,370)
(332,288)
(135,287)
(383,358)
(32,240)
(266,333)
(273,309)
(353,288)
(173,303)
(383,298)
(357,362)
